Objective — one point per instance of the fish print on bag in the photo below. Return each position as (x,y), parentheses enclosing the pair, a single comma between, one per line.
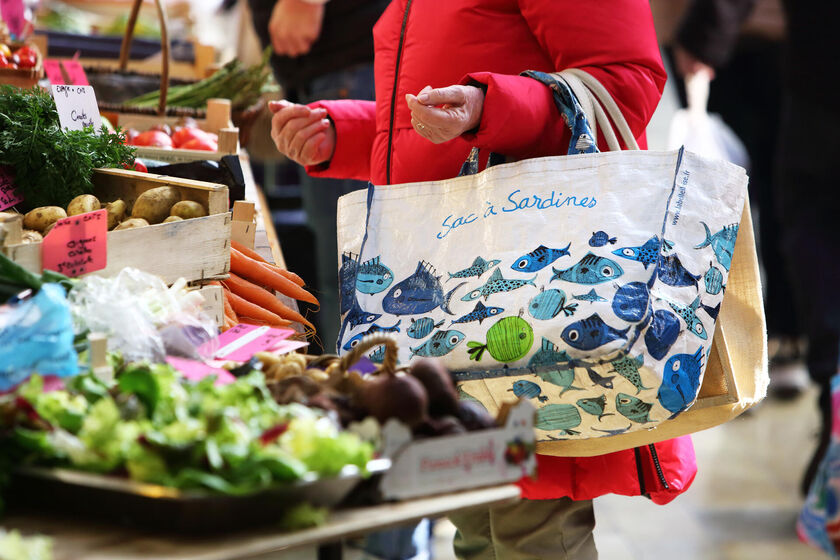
(539,258)
(558,418)
(591,269)
(374,328)
(631,301)
(600,380)
(590,333)
(548,304)
(628,368)
(646,254)
(373,277)
(563,377)
(672,272)
(613,432)
(440,344)
(497,284)
(595,406)
(528,389)
(507,341)
(479,313)
(722,242)
(689,315)
(548,355)
(477,268)
(591,296)
(713,279)
(419,293)
(601,238)
(423,327)
(662,333)
(635,410)
(347,281)
(377,356)
(680,381)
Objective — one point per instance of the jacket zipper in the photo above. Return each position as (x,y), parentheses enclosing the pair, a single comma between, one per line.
(640,472)
(394,91)
(655,456)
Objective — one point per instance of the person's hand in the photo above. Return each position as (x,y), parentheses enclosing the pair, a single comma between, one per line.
(688,64)
(294,26)
(441,114)
(304,135)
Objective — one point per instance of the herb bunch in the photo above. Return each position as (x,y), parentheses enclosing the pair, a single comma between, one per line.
(52,166)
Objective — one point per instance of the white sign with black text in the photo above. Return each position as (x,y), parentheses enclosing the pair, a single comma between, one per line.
(77,107)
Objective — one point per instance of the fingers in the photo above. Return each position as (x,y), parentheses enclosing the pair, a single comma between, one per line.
(430,115)
(289,120)
(300,138)
(275,106)
(452,95)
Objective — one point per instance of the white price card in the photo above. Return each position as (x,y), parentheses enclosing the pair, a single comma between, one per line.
(77,107)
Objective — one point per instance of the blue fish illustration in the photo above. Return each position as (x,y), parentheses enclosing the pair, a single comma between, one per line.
(440,344)
(662,333)
(539,258)
(631,301)
(479,313)
(374,328)
(496,284)
(549,303)
(597,379)
(595,406)
(635,410)
(689,315)
(477,268)
(548,355)
(373,277)
(347,281)
(378,356)
(591,269)
(591,296)
(713,279)
(680,381)
(613,432)
(421,328)
(710,311)
(528,389)
(591,333)
(419,293)
(673,273)
(646,254)
(355,317)
(723,243)
(601,238)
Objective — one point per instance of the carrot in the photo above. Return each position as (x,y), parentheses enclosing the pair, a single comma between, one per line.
(258,272)
(264,298)
(230,314)
(250,253)
(245,308)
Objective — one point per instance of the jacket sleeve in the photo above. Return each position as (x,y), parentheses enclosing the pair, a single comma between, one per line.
(355,129)
(614,40)
(710,28)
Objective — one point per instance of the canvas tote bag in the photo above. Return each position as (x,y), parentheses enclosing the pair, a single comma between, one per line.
(591,284)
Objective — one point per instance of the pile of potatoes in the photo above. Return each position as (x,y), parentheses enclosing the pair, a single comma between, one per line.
(155,206)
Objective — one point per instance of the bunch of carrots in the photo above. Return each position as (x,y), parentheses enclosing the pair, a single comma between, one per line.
(249,292)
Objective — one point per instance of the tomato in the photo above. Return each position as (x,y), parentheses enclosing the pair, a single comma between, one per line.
(6,63)
(163,128)
(185,134)
(25,57)
(140,166)
(130,135)
(200,144)
(153,138)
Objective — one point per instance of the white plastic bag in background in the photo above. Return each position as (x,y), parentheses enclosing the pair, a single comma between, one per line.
(703,133)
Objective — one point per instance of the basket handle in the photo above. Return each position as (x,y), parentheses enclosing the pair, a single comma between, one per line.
(389,363)
(125,49)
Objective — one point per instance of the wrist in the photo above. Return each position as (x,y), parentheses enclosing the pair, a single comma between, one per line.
(476,101)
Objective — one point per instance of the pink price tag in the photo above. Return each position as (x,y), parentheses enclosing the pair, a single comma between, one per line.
(12,12)
(75,74)
(78,244)
(196,371)
(241,342)
(9,195)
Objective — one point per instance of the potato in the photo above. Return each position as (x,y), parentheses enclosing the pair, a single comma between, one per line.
(47,231)
(132,223)
(31,236)
(173,219)
(83,203)
(42,218)
(154,204)
(116,213)
(187,209)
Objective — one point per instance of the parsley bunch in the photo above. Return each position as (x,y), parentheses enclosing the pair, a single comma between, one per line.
(52,166)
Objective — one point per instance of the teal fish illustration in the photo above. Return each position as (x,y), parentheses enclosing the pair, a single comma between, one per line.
(373,277)
(646,254)
(477,268)
(558,417)
(628,368)
(549,303)
(601,238)
(479,313)
(507,341)
(590,333)
(464,396)
(528,389)
(421,328)
(613,432)
(374,328)
(496,284)
(591,296)
(680,381)
(591,269)
(440,344)
(564,378)
(722,242)
(419,293)
(689,315)
(548,355)
(713,279)
(377,356)
(597,379)
(595,406)
(539,258)
(635,410)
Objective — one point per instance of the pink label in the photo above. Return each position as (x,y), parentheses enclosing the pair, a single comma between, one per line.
(241,342)
(9,195)
(12,11)
(75,73)
(196,371)
(78,244)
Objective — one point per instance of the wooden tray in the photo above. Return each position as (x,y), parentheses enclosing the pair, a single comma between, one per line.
(24,77)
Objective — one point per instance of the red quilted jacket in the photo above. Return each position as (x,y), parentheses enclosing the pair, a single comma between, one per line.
(444,42)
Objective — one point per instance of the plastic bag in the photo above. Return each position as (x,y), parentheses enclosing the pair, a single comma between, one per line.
(703,133)
(142,317)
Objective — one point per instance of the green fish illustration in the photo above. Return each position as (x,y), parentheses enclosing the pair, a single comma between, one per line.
(558,417)
(507,341)
(628,368)
(635,410)
(464,396)
(595,406)
(564,378)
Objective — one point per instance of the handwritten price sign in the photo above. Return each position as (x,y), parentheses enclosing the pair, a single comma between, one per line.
(9,195)
(78,244)
(77,107)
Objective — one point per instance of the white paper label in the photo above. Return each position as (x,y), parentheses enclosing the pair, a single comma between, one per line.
(77,107)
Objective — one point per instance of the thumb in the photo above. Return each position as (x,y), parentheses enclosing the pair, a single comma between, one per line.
(452,95)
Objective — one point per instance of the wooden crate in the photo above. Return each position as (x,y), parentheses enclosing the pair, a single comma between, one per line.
(196,249)
(24,77)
